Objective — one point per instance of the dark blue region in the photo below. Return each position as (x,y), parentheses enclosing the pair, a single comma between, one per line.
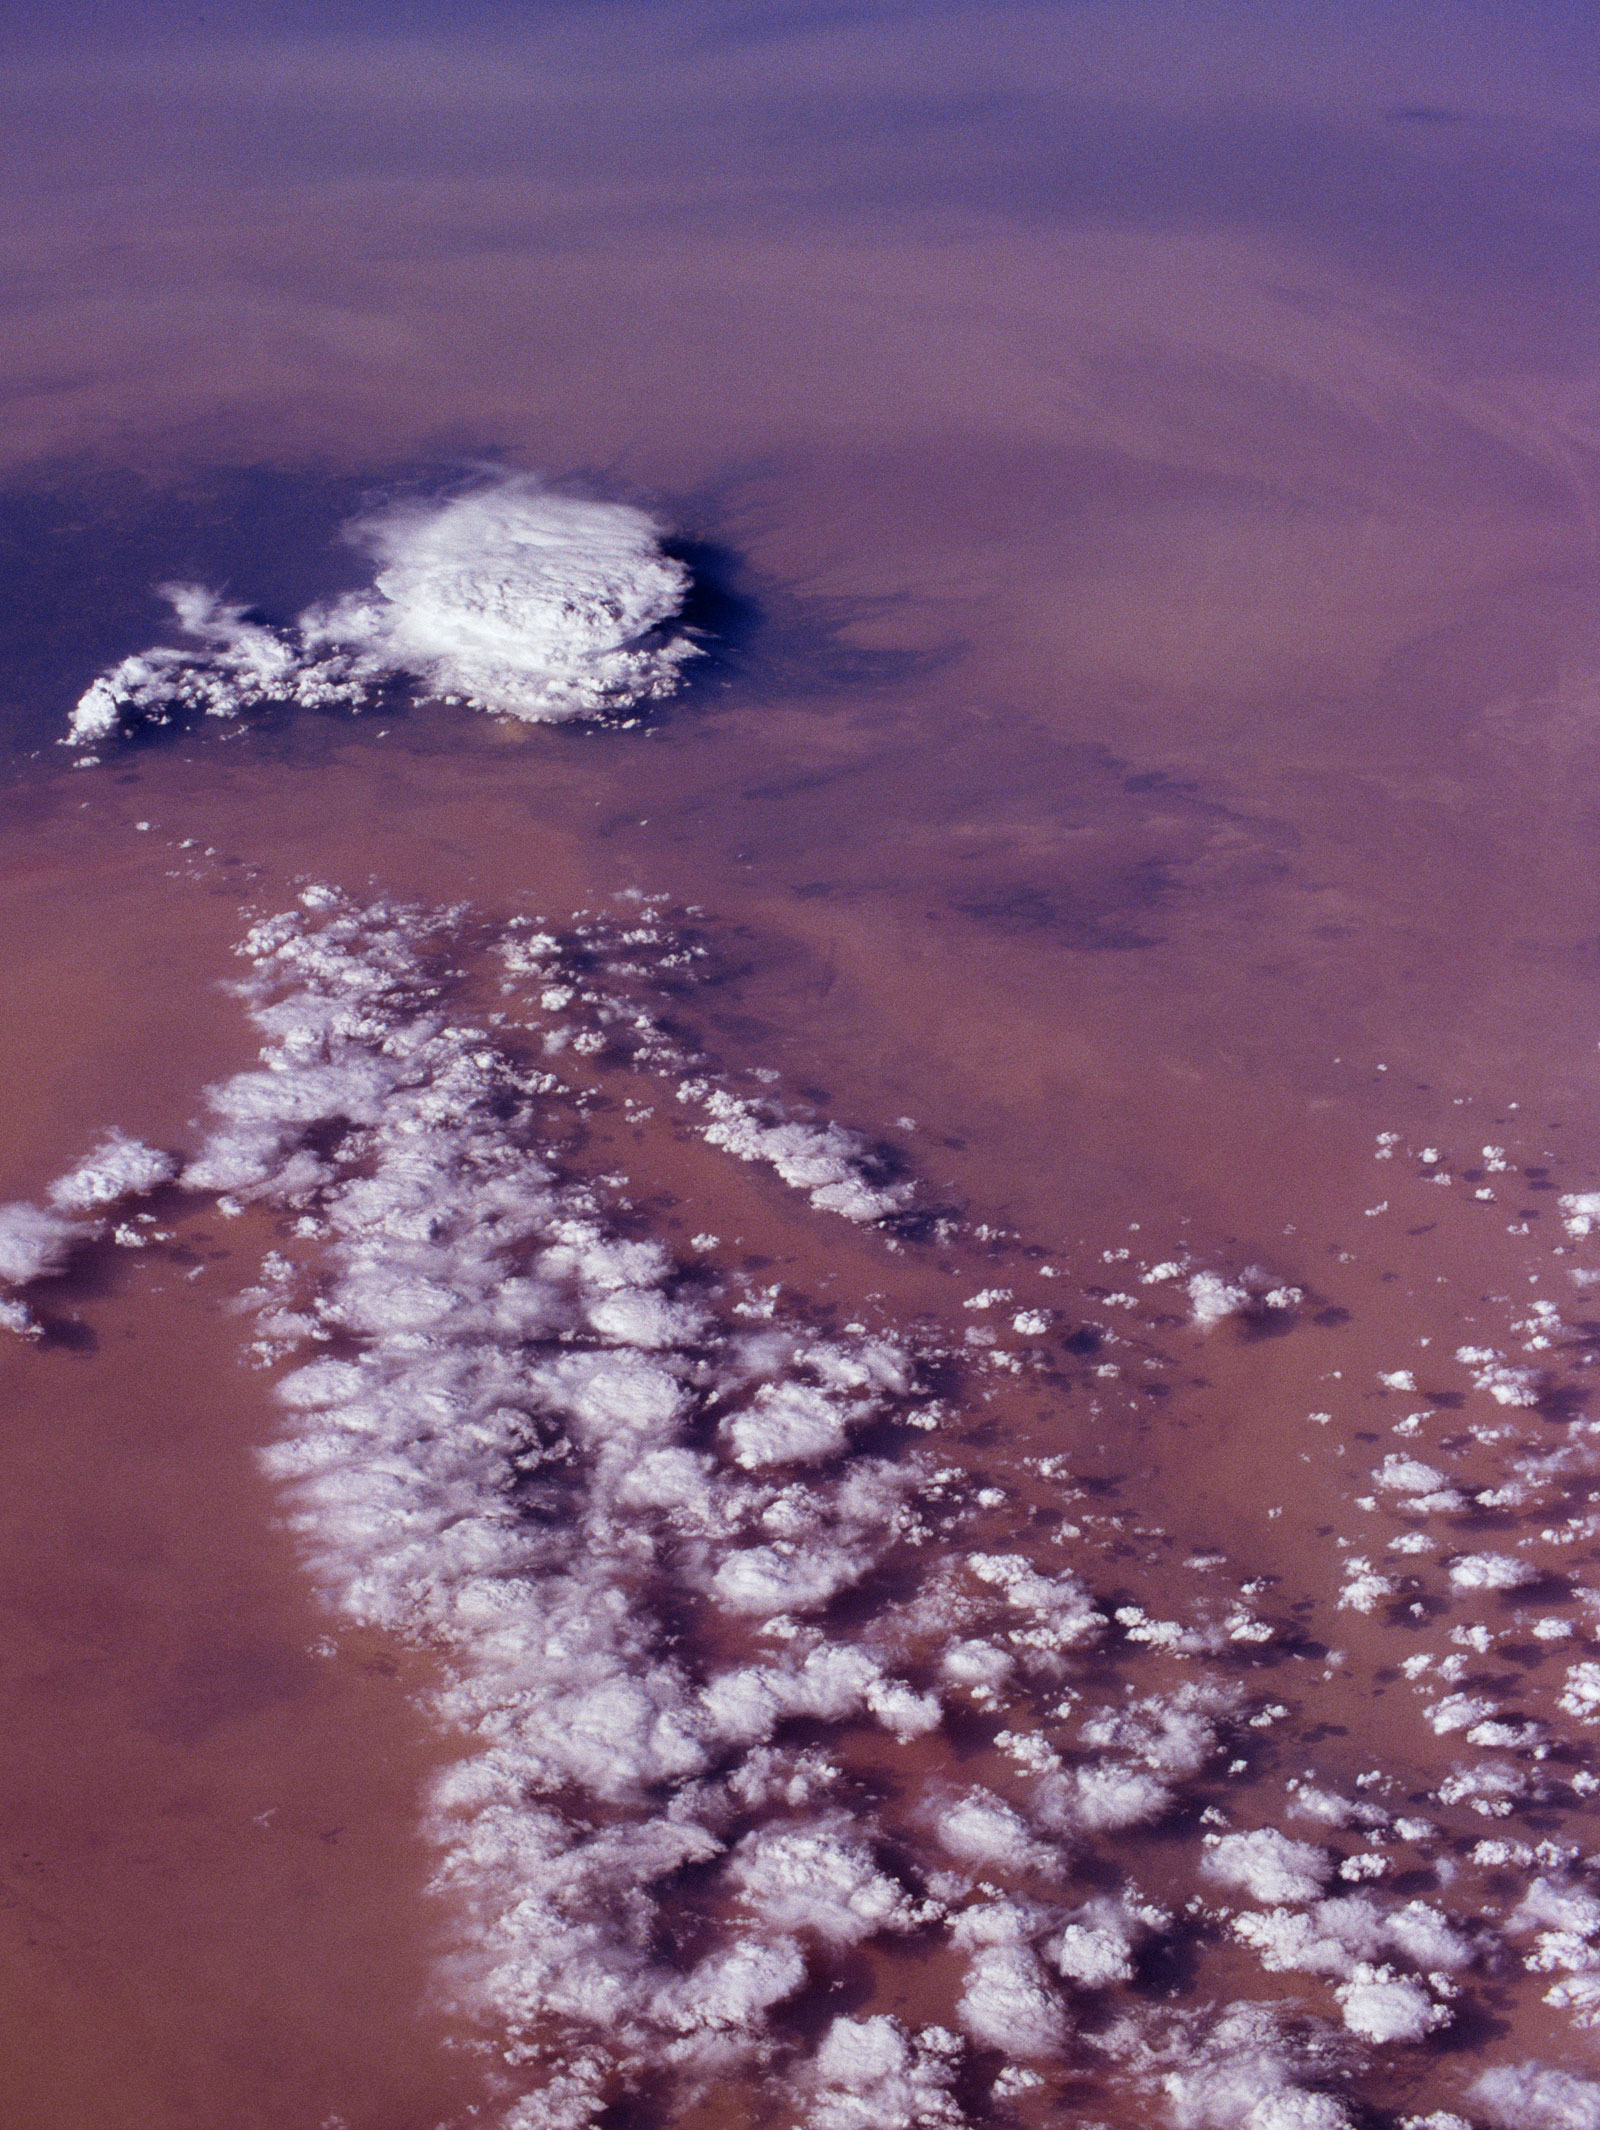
(82,554)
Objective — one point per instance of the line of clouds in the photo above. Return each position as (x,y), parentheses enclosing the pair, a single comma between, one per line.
(519,1434)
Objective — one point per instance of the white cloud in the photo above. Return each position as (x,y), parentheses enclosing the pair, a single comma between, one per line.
(1212,1299)
(821,1879)
(981,1828)
(510,599)
(1409,1475)
(870,2074)
(1008,2002)
(1243,2075)
(1491,1571)
(1325,1939)
(789,1423)
(1582,1695)
(1267,1865)
(1096,1949)
(34,1243)
(539,1457)
(118,1168)
(1527,2096)
(1106,1795)
(529,604)
(823,1160)
(1580,1211)
(1382,2006)
(735,1987)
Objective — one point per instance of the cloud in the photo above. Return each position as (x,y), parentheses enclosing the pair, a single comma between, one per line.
(1382,2006)
(825,1161)
(34,1243)
(1268,1866)
(1244,2075)
(1008,2002)
(982,1829)
(509,599)
(872,2075)
(1526,2096)
(1491,1571)
(119,1167)
(518,601)
(618,1512)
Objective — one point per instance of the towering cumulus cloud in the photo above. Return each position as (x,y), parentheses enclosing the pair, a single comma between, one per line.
(510,599)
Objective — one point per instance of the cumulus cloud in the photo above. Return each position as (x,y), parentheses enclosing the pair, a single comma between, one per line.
(1409,1475)
(509,598)
(1008,2002)
(1105,1795)
(825,1161)
(616,1511)
(1326,1939)
(1173,1734)
(870,2074)
(1364,1590)
(821,1879)
(229,665)
(1423,1936)
(500,1464)
(1245,2075)
(1383,2006)
(34,1243)
(789,1423)
(1334,1938)
(1212,1299)
(736,1987)
(1491,1571)
(1580,1212)
(1527,2096)
(1097,1948)
(1294,2109)
(118,1168)
(1581,1697)
(1268,1866)
(1059,1610)
(981,1828)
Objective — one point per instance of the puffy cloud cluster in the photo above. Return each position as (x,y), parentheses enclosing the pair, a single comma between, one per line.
(825,1161)
(1381,2005)
(34,1243)
(509,599)
(645,1536)
(1268,1865)
(1247,2073)
(1213,1299)
(870,2074)
(1566,1920)
(118,1168)
(1491,1571)
(1334,1937)
(1505,1384)
(1528,2096)
(533,1449)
